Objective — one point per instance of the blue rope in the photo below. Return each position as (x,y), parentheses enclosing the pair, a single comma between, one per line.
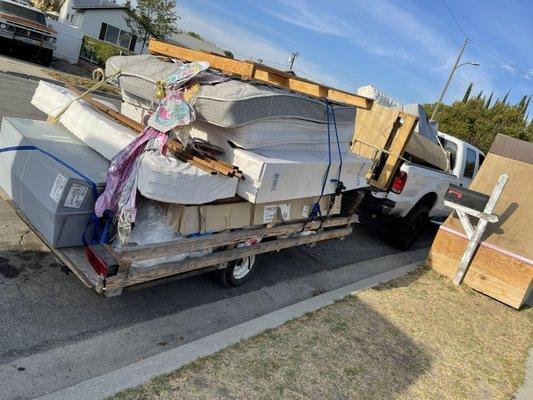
(316,212)
(99,236)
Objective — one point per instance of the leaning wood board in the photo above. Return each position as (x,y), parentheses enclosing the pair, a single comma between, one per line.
(381,128)
(503,264)
(382,132)
(496,274)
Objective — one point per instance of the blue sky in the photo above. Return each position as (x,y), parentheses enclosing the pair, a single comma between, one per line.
(403,47)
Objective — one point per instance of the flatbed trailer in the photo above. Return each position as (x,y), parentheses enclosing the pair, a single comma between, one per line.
(117,271)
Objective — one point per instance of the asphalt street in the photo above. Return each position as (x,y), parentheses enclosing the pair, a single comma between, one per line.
(46,313)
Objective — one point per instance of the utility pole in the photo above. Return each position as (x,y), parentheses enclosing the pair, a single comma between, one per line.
(292,58)
(449,78)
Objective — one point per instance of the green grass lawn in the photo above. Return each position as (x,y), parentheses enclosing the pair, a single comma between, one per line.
(418,337)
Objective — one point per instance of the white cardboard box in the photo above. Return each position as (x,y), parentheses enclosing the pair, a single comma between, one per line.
(292,210)
(278,175)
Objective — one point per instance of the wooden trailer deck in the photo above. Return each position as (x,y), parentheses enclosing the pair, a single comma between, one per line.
(224,245)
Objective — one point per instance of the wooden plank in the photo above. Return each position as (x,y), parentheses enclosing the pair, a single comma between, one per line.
(262,73)
(243,68)
(494,273)
(146,252)
(396,148)
(190,264)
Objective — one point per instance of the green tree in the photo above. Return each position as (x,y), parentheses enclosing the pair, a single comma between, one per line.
(152,18)
(487,104)
(229,54)
(504,100)
(196,36)
(467,93)
(473,122)
(48,5)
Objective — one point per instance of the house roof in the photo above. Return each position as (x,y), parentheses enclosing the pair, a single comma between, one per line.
(184,40)
(95,4)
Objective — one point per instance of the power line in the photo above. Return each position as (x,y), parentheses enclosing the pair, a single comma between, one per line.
(511,64)
(455,19)
(499,57)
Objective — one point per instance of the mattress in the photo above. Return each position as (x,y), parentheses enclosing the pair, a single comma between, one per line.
(280,134)
(51,99)
(234,103)
(169,180)
(280,175)
(99,132)
(228,104)
(102,134)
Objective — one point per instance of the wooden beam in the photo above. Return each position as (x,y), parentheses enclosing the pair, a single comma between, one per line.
(190,264)
(146,252)
(262,73)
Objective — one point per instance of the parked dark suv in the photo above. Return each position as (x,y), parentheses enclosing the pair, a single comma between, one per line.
(26,26)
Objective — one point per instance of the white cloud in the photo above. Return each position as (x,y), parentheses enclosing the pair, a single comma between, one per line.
(509,69)
(246,43)
(306,15)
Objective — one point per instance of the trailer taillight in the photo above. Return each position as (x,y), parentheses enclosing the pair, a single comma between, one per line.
(101,260)
(399,181)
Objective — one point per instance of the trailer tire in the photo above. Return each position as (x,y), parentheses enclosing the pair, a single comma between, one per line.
(404,232)
(236,272)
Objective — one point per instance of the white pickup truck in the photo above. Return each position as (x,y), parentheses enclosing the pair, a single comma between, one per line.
(416,193)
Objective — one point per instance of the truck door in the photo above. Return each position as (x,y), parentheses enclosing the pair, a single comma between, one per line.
(469,167)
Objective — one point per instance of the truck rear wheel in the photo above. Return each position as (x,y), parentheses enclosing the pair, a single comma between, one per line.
(404,232)
(45,57)
(235,273)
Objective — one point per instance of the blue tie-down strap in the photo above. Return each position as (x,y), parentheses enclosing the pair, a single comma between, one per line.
(101,228)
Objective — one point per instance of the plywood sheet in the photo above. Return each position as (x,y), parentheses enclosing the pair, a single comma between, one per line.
(505,278)
(503,265)
(514,230)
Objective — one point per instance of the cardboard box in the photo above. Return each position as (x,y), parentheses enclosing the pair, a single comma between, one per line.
(57,201)
(292,210)
(195,219)
(278,175)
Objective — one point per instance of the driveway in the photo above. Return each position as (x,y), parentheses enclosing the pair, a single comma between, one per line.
(54,332)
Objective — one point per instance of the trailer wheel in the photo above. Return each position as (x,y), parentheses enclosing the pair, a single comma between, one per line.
(404,232)
(235,273)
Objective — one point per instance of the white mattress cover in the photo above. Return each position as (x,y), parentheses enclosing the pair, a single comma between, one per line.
(103,134)
(277,175)
(169,180)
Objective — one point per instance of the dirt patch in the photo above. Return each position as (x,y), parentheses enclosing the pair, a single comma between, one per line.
(418,337)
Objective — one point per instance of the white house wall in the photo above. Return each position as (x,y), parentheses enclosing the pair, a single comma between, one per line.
(68,41)
(92,22)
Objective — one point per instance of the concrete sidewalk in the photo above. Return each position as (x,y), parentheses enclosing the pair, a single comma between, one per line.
(142,371)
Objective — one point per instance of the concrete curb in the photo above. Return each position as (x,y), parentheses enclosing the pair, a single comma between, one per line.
(142,371)
(525,392)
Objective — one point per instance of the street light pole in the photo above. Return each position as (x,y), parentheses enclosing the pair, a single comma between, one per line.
(449,78)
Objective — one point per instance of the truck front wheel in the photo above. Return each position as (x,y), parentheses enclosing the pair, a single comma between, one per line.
(404,232)
(45,57)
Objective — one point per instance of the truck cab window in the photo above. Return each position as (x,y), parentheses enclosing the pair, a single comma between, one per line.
(451,147)
(481,158)
(470,163)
